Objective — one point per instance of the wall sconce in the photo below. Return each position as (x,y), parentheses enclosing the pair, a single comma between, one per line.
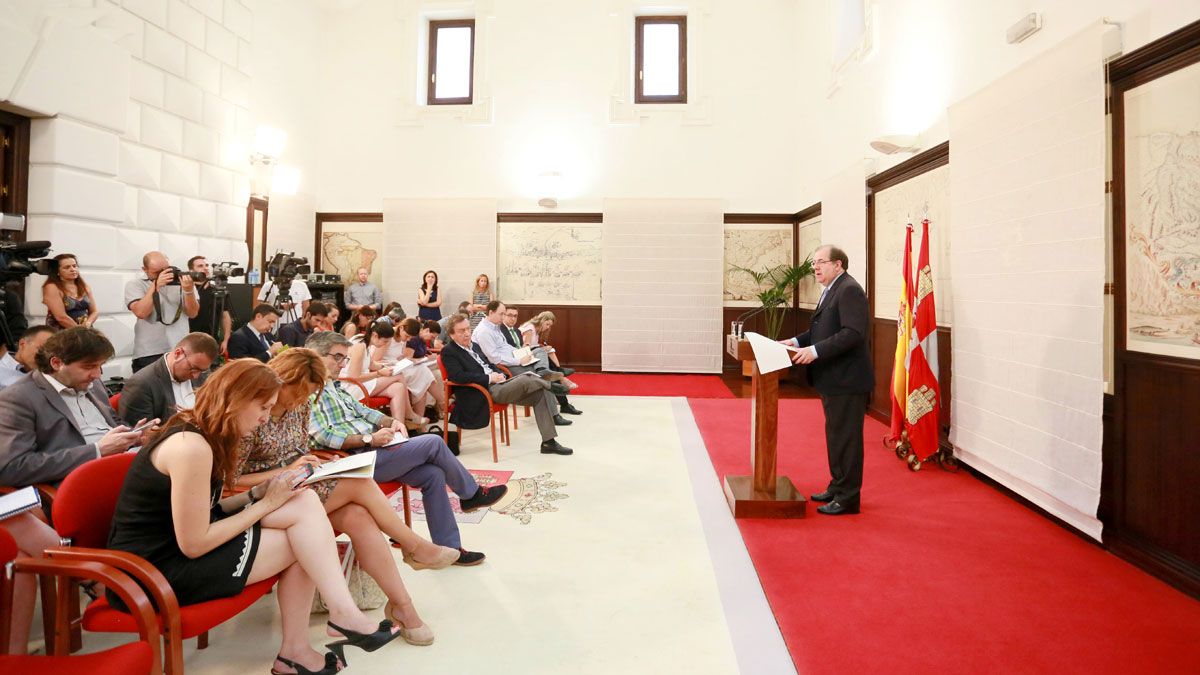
(266,175)
(550,185)
(890,145)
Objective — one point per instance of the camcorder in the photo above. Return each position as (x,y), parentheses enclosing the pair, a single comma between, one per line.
(19,259)
(282,269)
(221,272)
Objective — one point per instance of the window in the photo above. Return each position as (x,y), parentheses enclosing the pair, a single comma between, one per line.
(660,63)
(451,62)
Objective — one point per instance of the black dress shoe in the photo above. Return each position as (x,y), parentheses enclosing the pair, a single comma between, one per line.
(836,508)
(560,421)
(559,389)
(826,496)
(569,409)
(484,496)
(553,447)
(469,558)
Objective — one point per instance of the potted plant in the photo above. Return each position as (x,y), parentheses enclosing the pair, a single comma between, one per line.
(775,290)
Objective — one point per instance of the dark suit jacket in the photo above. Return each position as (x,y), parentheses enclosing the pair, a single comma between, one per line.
(40,441)
(244,343)
(514,340)
(148,394)
(839,332)
(292,334)
(470,407)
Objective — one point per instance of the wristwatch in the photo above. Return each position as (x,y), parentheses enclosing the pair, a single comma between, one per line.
(366,439)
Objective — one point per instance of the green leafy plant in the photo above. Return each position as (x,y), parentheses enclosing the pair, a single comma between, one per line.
(777,285)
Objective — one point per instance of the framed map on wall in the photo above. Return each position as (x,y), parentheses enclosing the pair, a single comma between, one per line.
(755,247)
(346,246)
(549,263)
(1162,215)
(810,240)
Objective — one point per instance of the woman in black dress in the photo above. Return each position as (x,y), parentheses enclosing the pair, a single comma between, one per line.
(168,513)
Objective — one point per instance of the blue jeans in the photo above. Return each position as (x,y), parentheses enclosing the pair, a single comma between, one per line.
(425,462)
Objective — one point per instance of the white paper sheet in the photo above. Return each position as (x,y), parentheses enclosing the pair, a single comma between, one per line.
(769,354)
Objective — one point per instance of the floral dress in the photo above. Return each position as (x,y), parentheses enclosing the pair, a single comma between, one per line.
(277,444)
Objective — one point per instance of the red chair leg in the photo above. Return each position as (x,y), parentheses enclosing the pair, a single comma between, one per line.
(507,433)
(515,416)
(495,451)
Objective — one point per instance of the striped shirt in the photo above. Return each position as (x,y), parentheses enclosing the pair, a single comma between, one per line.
(337,415)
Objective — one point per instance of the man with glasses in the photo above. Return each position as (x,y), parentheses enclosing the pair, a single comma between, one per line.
(839,367)
(163,302)
(165,387)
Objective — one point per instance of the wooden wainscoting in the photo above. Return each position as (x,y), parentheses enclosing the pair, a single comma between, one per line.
(883,353)
(795,322)
(576,333)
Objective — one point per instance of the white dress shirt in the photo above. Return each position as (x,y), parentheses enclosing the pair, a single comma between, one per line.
(91,422)
(10,370)
(185,396)
(489,338)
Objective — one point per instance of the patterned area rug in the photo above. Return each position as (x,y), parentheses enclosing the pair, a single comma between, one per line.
(526,497)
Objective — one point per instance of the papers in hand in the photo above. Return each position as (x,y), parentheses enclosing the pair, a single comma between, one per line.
(14,503)
(361,465)
(396,440)
(770,355)
(523,355)
(401,365)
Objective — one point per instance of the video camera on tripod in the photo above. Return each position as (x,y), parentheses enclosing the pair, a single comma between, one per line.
(17,261)
(219,281)
(282,270)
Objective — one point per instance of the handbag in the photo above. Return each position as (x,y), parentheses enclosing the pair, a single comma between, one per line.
(364,589)
(451,436)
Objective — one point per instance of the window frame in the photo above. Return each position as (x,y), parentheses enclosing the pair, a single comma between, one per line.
(430,82)
(640,22)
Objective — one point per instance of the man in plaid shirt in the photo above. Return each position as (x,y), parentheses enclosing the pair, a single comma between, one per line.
(340,421)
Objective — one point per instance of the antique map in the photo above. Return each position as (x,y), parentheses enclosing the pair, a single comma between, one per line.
(755,247)
(345,247)
(810,240)
(549,263)
(1162,221)
(924,196)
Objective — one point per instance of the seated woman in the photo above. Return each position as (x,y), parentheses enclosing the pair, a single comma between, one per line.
(533,334)
(363,367)
(430,332)
(331,321)
(356,507)
(409,334)
(67,297)
(359,322)
(32,536)
(168,513)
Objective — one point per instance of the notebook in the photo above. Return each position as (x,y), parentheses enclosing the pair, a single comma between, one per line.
(361,465)
(21,501)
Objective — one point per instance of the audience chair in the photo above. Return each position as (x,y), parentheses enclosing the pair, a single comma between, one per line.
(83,514)
(114,401)
(496,408)
(135,658)
(375,402)
(515,416)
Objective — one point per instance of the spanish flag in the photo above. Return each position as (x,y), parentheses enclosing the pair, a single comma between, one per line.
(903,329)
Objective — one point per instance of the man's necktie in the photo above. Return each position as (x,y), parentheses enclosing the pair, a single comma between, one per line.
(266,345)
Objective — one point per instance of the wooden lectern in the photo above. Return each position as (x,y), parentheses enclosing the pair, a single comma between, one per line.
(763,495)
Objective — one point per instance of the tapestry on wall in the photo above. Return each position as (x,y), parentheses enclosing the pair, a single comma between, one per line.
(1162,248)
(753,247)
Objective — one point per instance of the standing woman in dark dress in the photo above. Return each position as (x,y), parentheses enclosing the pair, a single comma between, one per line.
(67,297)
(168,513)
(427,298)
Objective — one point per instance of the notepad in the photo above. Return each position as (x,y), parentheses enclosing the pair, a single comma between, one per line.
(21,501)
(523,355)
(401,365)
(361,465)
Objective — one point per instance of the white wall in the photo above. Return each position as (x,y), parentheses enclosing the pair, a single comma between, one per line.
(552,69)
(133,102)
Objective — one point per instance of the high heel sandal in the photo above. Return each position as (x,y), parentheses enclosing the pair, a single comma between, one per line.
(331,666)
(446,557)
(421,636)
(368,642)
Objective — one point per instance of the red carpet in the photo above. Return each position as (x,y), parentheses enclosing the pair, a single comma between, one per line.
(941,573)
(628,384)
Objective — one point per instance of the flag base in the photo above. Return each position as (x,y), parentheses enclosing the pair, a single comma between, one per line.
(746,502)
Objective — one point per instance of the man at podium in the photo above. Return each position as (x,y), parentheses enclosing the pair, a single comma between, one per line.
(839,368)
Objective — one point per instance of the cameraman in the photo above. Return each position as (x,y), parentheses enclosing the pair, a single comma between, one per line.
(298,292)
(159,308)
(205,320)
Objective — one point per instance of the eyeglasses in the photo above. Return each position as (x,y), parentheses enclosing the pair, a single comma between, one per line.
(338,358)
(821,262)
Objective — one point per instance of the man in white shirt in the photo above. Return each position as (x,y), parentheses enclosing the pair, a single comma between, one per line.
(297,291)
(165,387)
(59,417)
(18,364)
(491,342)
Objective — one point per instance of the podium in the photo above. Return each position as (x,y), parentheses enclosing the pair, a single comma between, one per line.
(763,494)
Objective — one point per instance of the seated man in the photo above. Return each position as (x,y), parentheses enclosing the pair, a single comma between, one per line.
(339,421)
(254,339)
(513,337)
(465,363)
(165,386)
(295,333)
(58,417)
(18,364)
(489,336)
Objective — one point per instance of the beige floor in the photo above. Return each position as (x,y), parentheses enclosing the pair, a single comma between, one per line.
(617,579)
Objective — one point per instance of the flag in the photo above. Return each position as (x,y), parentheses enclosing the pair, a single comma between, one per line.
(903,328)
(924,397)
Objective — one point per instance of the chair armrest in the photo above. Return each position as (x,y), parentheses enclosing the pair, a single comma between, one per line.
(504,369)
(358,384)
(327,454)
(137,567)
(113,578)
(472,385)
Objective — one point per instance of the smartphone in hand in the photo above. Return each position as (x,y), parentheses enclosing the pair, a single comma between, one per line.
(143,426)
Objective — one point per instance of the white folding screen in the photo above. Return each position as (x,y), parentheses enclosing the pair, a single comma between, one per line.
(1027,171)
(454,237)
(662,285)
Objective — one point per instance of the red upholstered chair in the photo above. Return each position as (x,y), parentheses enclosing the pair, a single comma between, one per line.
(83,513)
(135,658)
(515,416)
(496,408)
(364,397)
(114,400)
(388,487)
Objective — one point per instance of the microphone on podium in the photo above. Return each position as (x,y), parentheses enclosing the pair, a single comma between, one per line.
(752,312)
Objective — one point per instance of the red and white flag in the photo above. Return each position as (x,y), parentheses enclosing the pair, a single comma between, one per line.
(924,396)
